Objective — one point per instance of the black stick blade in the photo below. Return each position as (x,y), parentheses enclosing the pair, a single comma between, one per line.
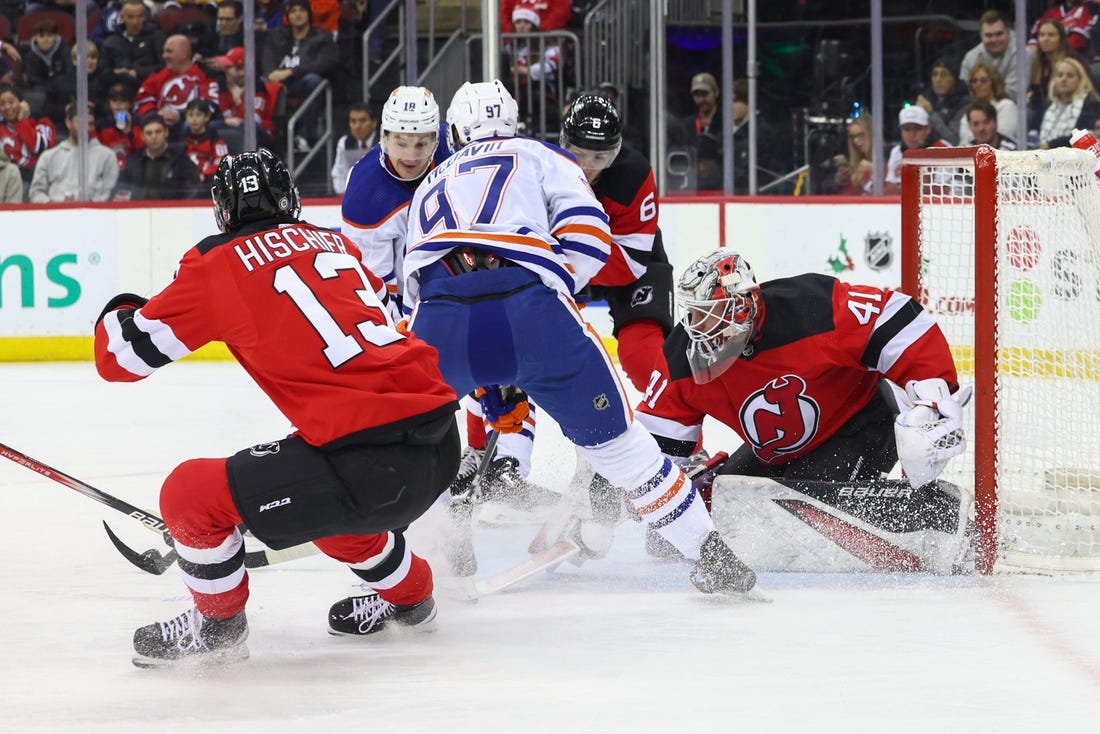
(151,561)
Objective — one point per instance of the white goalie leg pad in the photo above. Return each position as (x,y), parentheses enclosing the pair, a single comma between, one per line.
(655,487)
(772,527)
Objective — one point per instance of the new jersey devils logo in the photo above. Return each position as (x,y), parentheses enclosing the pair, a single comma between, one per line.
(780,418)
(179,90)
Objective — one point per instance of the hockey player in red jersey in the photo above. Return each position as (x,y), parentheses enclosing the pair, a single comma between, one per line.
(375,441)
(793,366)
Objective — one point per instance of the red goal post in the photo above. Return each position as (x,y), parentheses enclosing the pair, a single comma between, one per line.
(1003,249)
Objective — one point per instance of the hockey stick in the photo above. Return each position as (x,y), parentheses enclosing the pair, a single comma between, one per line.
(151,561)
(461,510)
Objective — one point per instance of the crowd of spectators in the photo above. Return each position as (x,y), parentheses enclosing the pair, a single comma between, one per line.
(969,98)
(154,68)
(180,68)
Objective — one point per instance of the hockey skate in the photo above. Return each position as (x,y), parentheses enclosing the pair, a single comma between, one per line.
(503,483)
(467,470)
(719,571)
(191,637)
(366,615)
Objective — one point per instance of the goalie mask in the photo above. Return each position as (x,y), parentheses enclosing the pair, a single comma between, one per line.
(720,300)
(410,132)
(251,187)
(482,110)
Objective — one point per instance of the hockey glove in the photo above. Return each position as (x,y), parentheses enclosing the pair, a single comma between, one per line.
(504,406)
(928,428)
(122,300)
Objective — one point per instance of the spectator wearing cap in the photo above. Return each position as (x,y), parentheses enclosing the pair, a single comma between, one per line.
(231,103)
(362,136)
(168,91)
(300,56)
(136,46)
(995,48)
(535,62)
(57,177)
(916,133)
(116,128)
(553,14)
(161,170)
(944,98)
(704,131)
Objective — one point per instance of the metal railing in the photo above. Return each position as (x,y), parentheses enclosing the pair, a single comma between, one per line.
(540,100)
(324,141)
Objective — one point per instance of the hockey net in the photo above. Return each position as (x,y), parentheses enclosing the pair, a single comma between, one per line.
(1003,249)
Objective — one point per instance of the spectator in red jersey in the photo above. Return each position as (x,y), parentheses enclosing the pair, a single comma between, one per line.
(161,170)
(204,146)
(553,14)
(916,133)
(1077,17)
(231,101)
(168,91)
(22,137)
(117,129)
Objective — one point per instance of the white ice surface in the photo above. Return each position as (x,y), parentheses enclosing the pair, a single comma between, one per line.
(619,645)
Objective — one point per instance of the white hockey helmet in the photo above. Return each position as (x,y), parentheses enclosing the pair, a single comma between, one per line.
(720,300)
(412,114)
(410,110)
(481,110)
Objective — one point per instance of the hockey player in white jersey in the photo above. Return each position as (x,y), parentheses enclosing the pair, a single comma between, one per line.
(375,210)
(381,185)
(501,235)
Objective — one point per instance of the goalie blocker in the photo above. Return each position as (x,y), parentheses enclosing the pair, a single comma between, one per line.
(823,526)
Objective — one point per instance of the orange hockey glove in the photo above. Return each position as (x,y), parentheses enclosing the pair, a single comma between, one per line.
(504,406)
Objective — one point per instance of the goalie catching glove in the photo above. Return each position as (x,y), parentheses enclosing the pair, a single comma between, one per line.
(504,406)
(928,427)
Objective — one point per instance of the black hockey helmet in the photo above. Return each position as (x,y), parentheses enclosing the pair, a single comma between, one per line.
(592,123)
(253,186)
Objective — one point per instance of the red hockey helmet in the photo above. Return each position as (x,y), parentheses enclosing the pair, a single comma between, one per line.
(719,300)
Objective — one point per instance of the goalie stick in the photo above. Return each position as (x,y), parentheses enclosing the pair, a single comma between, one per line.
(151,561)
(545,557)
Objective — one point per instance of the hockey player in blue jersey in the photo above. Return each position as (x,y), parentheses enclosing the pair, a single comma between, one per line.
(381,185)
(501,235)
(375,210)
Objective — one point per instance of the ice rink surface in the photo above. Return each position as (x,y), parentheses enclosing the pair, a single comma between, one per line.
(624,644)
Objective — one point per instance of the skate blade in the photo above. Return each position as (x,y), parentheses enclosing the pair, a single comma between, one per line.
(754,595)
(214,659)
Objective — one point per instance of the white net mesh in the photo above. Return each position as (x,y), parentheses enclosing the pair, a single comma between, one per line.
(1046,430)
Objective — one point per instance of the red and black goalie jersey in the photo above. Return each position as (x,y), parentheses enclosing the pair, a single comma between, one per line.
(820,349)
(300,313)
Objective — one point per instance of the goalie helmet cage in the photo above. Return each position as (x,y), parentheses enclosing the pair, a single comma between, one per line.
(1002,248)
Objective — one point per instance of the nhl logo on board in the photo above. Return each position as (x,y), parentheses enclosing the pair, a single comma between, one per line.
(265,449)
(878,250)
(600,402)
